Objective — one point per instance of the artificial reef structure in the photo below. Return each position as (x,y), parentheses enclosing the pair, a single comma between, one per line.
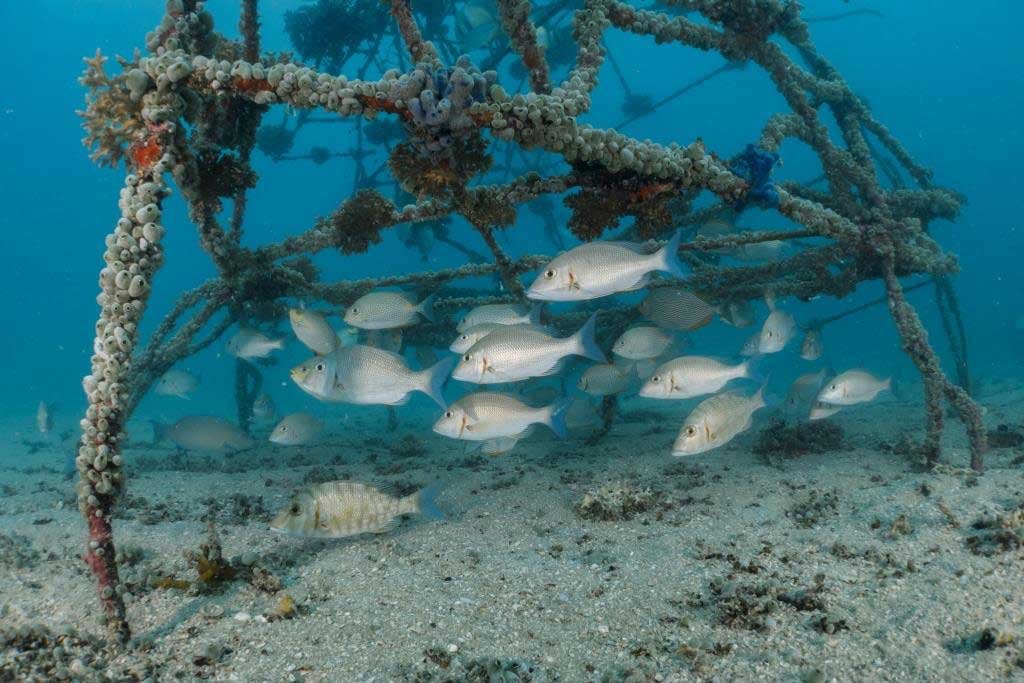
(189,113)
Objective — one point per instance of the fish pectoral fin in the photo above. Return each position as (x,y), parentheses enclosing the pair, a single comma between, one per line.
(390,525)
(499,446)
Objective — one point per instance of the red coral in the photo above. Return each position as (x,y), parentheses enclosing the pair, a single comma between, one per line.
(146,152)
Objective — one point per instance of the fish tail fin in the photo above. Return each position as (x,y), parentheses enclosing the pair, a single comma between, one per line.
(278,343)
(159,431)
(668,256)
(426,501)
(426,307)
(753,369)
(556,416)
(892,385)
(535,312)
(769,298)
(758,398)
(585,341)
(432,380)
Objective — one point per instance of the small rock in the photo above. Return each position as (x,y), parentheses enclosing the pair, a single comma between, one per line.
(243,616)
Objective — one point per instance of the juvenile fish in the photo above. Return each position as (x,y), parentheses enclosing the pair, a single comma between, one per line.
(501,314)
(312,329)
(811,348)
(776,332)
(752,346)
(519,352)
(498,420)
(597,269)
(296,429)
(263,407)
(386,310)
(203,433)
(803,393)
(249,343)
(690,376)
(674,308)
(471,335)
(44,417)
(336,509)
(606,379)
(642,343)
(772,250)
(177,382)
(716,421)
(852,387)
(366,375)
(737,313)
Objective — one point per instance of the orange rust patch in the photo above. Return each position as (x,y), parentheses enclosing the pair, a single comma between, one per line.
(647,191)
(251,85)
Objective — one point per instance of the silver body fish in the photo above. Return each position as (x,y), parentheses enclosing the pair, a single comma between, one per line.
(249,343)
(176,382)
(690,376)
(598,269)
(501,314)
(803,394)
(642,343)
(852,387)
(776,332)
(44,417)
(519,352)
(296,429)
(388,310)
(203,433)
(498,420)
(811,347)
(471,335)
(336,509)
(607,379)
(312,329)
(751,347)
(366,375)
(263,407)
(716,421)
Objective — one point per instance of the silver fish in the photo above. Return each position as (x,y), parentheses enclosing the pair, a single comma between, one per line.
(598,269)
(44,417)
(691,376)
(501,314)
(312,329)
(263,407)
(336,509)
(642,343)
(177,382)
(519,352)
(751,347)
(471,335)
(803,393)
(772,250)
(674,308)
(716,421)
(852,387)
(498,420)
(607,379)
(776,332)
(203,433)
(296,429)
(820,411)
(249,343)
(737,313)
(812,347)
(366,375)
(386,310)
(389,340)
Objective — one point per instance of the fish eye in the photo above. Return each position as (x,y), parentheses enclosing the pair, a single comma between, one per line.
(449,414)
(834,387)
(690,431)
(294,509)
(284,428)
(549,273)
(656,379)
(467,357)
(319,366)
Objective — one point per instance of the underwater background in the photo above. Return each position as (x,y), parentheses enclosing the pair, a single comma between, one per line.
(593,560)
(946,78)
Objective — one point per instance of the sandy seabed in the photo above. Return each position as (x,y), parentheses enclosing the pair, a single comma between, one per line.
(848,564)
